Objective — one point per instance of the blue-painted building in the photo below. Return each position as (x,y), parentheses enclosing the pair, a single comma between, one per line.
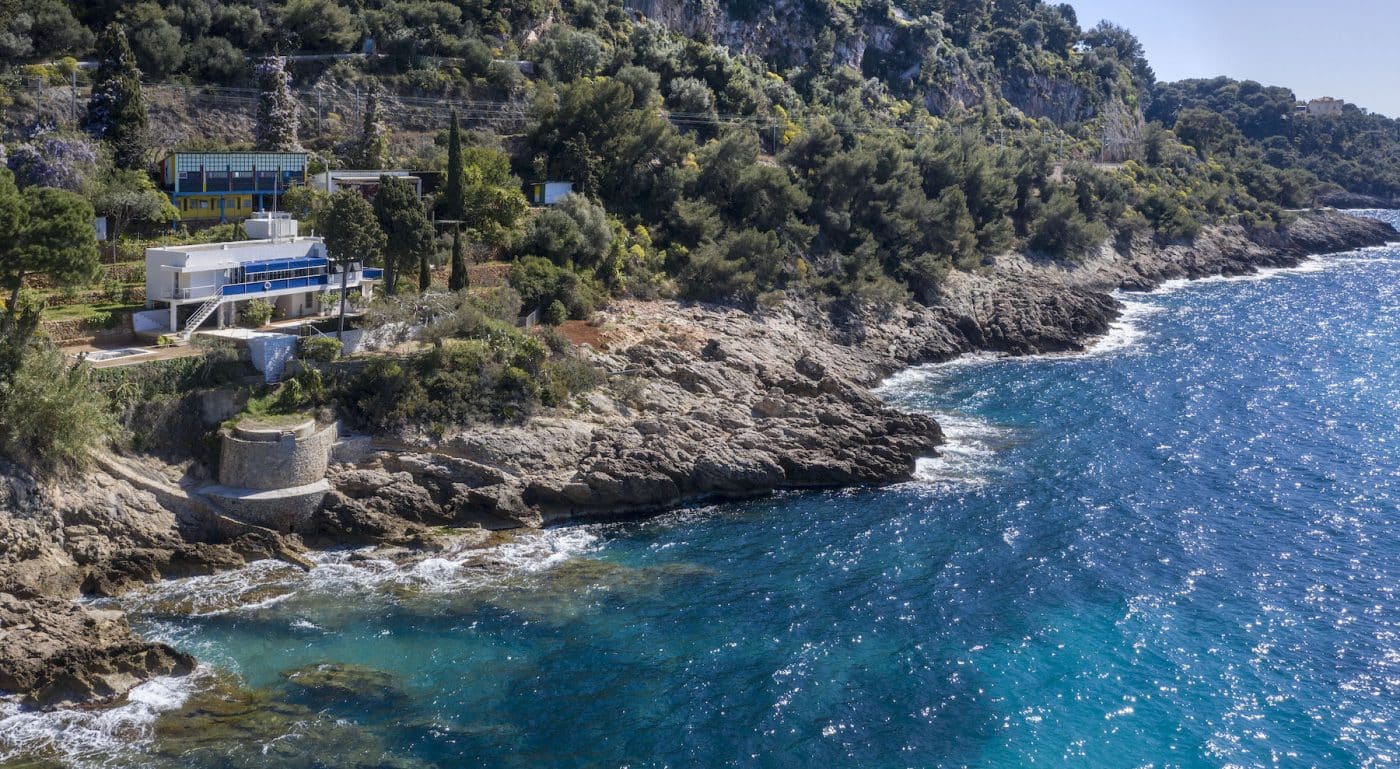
(229,186)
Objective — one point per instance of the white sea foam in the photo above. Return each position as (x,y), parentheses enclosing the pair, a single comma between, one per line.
(917,379)
(83,738)
(1125,331)
(968,455)
(264,584)
(453,570)
(1310,265)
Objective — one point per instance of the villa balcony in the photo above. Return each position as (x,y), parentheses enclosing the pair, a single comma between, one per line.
(254,288)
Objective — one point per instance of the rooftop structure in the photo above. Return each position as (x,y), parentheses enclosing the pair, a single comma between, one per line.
(366,182)
(229,186)
(216,279)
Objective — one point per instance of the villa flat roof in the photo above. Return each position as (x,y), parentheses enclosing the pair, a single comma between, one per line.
(235,245)
(358,172)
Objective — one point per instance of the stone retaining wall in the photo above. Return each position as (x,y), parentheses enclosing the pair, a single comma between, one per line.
(276,459)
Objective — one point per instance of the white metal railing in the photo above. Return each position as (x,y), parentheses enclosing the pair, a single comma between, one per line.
(191,292)
(202,314)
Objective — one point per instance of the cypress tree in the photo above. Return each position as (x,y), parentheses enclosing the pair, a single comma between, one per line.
(458,280)
(425,275)
(276,129)
(405,223)
(116,111)
(453,204)
(374,136)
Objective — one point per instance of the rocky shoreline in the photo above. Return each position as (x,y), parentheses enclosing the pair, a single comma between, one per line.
(703,402)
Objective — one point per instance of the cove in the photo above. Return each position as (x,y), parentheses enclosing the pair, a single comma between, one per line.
(1179,549)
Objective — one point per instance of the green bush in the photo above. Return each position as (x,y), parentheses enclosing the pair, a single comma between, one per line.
(322,349)
(160,379)
(541,283)
(256,313)
(51,412)
(556,313)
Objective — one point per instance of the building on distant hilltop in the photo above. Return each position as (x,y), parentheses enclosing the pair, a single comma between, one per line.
(366,182)
(1325,106)
(549,193)
(229,186)
(213,280)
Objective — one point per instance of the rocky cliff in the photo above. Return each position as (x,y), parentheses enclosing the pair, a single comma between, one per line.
(930,58)
(120,525)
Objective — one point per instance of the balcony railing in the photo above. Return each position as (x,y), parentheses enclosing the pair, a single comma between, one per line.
(252,287)
(263,286)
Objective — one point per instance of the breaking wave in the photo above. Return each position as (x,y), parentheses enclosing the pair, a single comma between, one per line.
(92,737)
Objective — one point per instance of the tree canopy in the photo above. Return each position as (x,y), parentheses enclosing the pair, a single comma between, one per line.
(408,233)
(116,111)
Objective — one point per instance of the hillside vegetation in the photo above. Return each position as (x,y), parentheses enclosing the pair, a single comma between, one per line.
(1355,151)
(851,151)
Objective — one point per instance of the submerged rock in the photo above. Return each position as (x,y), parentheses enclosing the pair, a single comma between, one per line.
(356,688)
(232,727)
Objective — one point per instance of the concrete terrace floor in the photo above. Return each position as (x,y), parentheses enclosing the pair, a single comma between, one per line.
(150,353)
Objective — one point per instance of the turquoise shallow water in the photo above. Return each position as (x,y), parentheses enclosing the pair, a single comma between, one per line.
(1179,550)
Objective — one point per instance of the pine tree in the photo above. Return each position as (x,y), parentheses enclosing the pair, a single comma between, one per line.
(458,280)
(425,274)
(116,111)
(352,235)
(374,137)
(276,129)
(453,203)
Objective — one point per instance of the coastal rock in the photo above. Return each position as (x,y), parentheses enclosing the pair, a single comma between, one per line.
(57,653)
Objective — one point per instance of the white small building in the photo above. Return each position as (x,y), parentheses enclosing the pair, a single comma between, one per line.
(1326,107)
(549,193)
(366,182)
(214,280)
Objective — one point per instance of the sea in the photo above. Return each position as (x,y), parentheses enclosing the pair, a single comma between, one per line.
(1179,549)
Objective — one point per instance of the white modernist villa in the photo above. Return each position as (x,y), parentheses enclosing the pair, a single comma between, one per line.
(277,265)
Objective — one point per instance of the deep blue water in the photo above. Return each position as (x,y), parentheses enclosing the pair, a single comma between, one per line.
(1180,550)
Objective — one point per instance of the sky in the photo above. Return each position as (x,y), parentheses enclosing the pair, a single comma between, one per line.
(1340,48)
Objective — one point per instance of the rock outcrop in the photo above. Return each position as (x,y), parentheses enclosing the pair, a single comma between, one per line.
(711,402)
(96,534)
(57,653)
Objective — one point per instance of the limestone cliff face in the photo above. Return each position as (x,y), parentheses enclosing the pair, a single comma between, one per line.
(911,56)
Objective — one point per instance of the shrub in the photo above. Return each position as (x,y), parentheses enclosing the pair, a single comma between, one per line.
(322,349)
(154,380)
(51,413)
(556,313)
(257,313)
(557,343)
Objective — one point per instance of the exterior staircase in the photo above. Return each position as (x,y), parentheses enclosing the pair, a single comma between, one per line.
(202,314)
